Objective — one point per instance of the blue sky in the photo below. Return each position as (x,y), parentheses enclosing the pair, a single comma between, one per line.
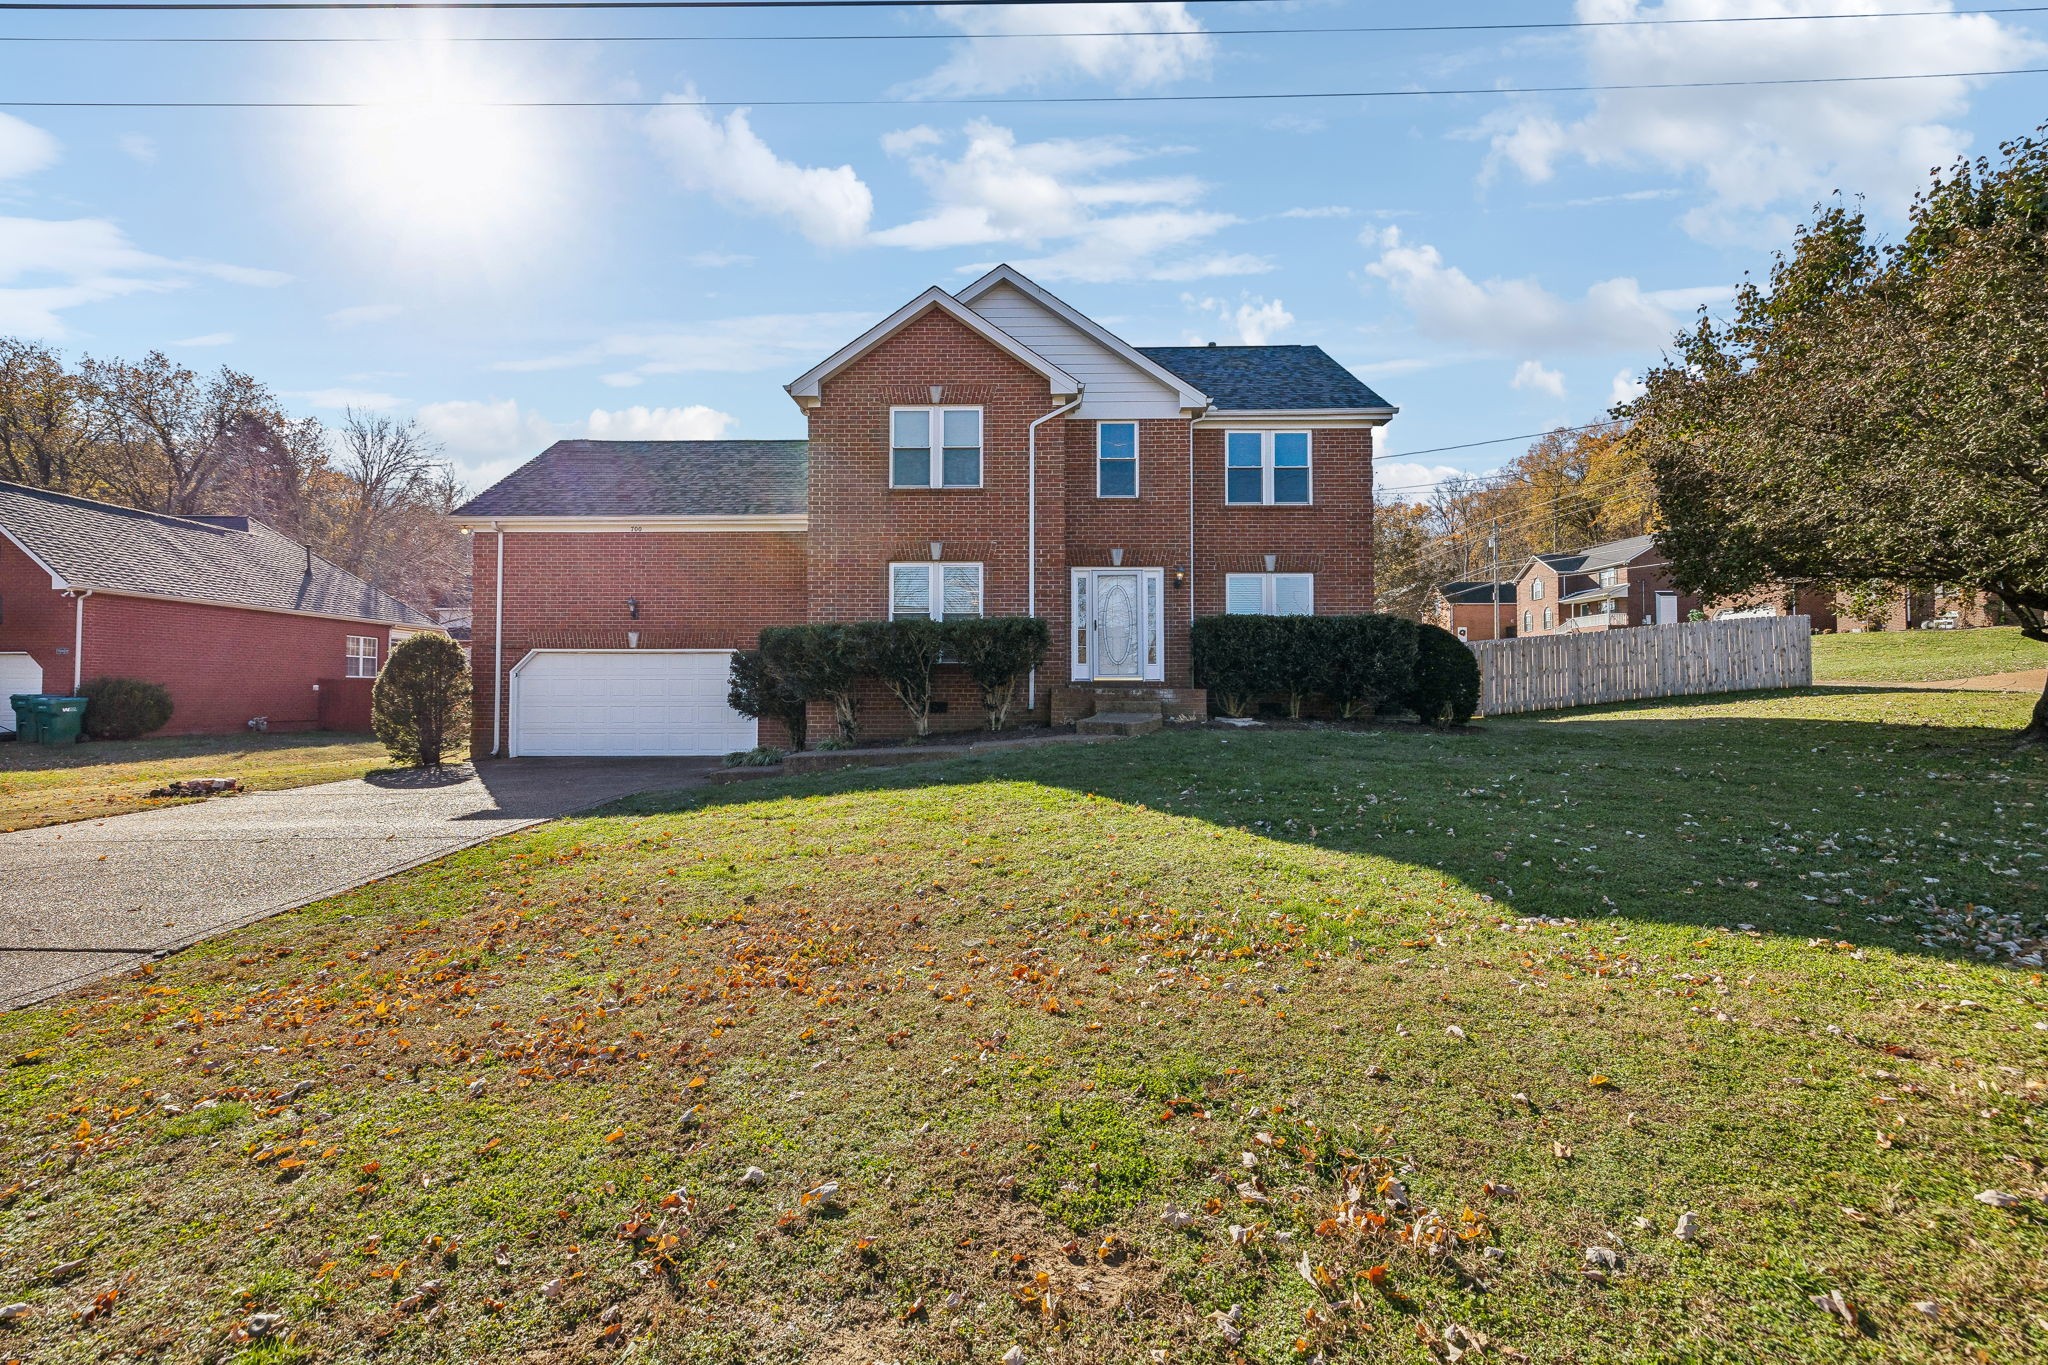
(1493,264)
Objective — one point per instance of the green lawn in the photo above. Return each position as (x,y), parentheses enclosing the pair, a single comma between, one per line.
(1924,655)
(48,784)
(1363,1036)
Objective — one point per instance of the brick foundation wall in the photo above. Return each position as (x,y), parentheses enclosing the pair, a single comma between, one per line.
(568,590)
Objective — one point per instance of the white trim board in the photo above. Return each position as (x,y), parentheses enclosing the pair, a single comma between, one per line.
(1190,398)
(763,521)
(805,387)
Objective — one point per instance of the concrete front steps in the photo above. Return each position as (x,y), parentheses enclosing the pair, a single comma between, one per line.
(1132,722)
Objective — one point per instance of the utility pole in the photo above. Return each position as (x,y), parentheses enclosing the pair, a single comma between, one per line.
(1493,547)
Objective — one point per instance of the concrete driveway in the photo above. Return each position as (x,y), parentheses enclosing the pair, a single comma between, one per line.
(83,900)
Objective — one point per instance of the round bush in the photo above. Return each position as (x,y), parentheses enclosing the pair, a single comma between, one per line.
(124,708)
(1446,687)
(420,704)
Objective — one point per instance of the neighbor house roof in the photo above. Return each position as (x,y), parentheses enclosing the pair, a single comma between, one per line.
(1476,591)
(1614,553)
(1268,378)
(233,561)
(1595,593)
(651,479)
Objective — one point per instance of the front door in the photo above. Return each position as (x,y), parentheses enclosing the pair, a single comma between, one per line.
(1119,626)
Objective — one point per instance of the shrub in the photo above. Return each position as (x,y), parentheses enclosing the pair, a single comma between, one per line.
(420,703)
(903,653)
(1370,662)
(1301,666)
(760,691)
(1234,658)
(997,651)
(124,708)
(821,663)
(1446,687)
(760,756)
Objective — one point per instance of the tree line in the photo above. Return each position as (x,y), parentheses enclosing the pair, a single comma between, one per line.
(371,494)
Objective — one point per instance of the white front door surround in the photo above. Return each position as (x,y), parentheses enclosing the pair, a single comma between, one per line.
(1118,630)
(638,703)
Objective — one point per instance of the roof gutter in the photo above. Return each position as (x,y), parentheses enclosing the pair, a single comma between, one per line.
(1031,530)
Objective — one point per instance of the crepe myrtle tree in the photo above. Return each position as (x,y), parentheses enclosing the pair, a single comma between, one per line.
(1873,410)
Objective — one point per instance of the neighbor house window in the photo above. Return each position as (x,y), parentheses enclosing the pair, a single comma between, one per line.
(1265,467)
(1546,618)
(1269,594)
(1536,588)
(1116,460)
(1528,620)
(1607,578)
(362,656)
(944,592)
(935,447)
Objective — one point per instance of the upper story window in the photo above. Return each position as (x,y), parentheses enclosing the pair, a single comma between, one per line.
(944,592)
(935,447)
(1269,467)
(1607,578)
(362,657)
(1269,594)
(1116,459)
(1536,588)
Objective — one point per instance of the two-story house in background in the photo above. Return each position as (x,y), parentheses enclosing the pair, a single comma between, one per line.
(1602,587)
(990,452)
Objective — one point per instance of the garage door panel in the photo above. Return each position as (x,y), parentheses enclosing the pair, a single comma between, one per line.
(647,703)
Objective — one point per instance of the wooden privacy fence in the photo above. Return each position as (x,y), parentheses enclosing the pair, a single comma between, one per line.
(1549,672)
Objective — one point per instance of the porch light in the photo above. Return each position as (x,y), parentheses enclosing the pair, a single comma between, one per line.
(633,608)
(1180,578)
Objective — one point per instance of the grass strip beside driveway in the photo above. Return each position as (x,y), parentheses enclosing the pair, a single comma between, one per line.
(52,784)
(1259,1044)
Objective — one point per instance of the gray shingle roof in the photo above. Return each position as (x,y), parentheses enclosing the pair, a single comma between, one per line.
(234,561)
(1613,553)
(1476,590)
(1259,378)
(652,479)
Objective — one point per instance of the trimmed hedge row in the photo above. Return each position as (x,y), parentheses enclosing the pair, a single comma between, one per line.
(797,665)
(1358,664)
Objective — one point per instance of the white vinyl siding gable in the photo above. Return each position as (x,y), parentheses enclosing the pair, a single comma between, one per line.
(1112,386)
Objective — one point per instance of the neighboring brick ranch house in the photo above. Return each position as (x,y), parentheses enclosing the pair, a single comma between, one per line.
(235,619)
(1602,587)
(1470,609)
(987,452)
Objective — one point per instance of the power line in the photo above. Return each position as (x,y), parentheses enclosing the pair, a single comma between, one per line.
(1494,441)
(176,6)
(1322,30)
(846,103)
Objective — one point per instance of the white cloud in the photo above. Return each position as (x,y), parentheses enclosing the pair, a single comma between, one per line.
(1253,321)
(1759,151)
(1011,47)
(137,147)
(718,260)
(1521,315)
(48,265)
(1320,211)
(1625,388)
(208,339)
(727,159)
(1530,376)
(24,148)
(1407,481)
(485,439)
(1071,198)
(356,315)
(742,345)
(693,423)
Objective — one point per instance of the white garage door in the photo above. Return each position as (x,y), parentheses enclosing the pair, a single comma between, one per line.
(18,673)
(638,703)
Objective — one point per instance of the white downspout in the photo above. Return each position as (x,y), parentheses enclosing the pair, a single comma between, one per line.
(78,642)
(1191,530)
(1031,533)
(498,649)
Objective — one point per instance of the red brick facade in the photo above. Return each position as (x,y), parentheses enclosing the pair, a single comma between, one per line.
(222,665)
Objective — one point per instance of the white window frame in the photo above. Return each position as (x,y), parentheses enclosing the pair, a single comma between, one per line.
(1536,589)
(935,435)
(1136,488)
(1269,593)
(935,592)
(357,656)
(1267,467)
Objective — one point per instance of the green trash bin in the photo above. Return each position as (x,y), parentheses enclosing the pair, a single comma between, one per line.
(28,716)
(62,719)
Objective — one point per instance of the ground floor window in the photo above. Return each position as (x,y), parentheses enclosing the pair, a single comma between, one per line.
(944,592)
(1269,594)
(362,656)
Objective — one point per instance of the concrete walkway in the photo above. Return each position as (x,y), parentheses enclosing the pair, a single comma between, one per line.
(84,900)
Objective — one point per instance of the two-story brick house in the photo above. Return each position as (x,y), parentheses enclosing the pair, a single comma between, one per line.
(989,452)
(1602,587)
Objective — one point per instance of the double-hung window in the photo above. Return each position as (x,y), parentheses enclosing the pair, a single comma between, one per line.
(1266,467)
(935,447)
(1269,594)
(362,657)
(1536,588)
(1116,459)
(943,592)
